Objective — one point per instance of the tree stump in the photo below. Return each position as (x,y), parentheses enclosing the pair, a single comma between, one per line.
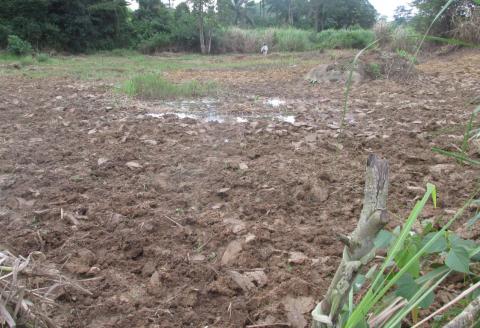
(359,247)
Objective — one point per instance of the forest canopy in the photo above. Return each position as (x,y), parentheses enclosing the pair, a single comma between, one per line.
(90,25)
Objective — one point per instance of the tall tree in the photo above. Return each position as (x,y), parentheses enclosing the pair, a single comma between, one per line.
(75,25)
(203,10)
(282,9)
(342,13)
(428,9)
(402,15)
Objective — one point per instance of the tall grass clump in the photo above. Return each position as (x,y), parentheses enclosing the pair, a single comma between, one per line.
(383,32)
(43,57)
(292,40)
(344,38)
(403,39)
(153,86)
(239,40)
(468,30)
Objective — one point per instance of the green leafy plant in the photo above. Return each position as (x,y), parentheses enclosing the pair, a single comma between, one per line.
(348,84)
(404,54)
(415,265)
(18,47)
(374,70)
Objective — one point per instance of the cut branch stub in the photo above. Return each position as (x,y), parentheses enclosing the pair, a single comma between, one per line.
(360,249)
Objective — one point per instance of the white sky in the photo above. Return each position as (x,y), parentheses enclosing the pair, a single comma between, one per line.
(133,4)
(387,7)
(384,7)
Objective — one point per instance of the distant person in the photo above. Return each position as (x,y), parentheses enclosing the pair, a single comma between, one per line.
(264,49)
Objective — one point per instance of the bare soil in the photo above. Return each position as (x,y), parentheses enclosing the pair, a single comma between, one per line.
(187,223)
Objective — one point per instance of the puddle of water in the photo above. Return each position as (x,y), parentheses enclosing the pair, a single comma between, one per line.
(241,120)
(205,110)
(275,102)
(180,115)
(287,118)
(225,118)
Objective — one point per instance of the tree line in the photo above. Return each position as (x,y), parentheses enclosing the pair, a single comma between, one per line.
(90,25)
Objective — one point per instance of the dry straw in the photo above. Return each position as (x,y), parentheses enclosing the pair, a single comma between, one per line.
(29,288)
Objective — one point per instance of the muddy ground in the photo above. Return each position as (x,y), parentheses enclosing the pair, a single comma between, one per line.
(229,218)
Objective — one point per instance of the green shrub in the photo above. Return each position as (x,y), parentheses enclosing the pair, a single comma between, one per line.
(406,55)
(18,47)
(374,70)
(155,43)
(344,38)
(43,57)
(4,33)
(184,31)
(153,86)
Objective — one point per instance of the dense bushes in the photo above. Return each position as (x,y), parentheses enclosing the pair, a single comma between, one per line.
(18,47)
(92,25)
(156,43)
(75,25)
(345,38)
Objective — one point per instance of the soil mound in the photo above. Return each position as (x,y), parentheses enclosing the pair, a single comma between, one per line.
(374,65)
(333,73)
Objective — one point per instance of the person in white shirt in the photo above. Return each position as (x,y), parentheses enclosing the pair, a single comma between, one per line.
(264,49)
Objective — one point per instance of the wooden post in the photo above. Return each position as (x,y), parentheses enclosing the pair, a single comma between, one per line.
(467,317)
(359,247)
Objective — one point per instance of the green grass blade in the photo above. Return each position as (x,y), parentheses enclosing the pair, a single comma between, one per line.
(372,297)
(456,155)
(435,273)
(468,130)
(348,84)
(422,251)
(416,300)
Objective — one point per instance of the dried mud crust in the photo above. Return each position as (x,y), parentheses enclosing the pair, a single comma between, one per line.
(189,224)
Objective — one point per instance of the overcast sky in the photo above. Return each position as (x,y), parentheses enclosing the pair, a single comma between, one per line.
(387,7)
(384,7)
